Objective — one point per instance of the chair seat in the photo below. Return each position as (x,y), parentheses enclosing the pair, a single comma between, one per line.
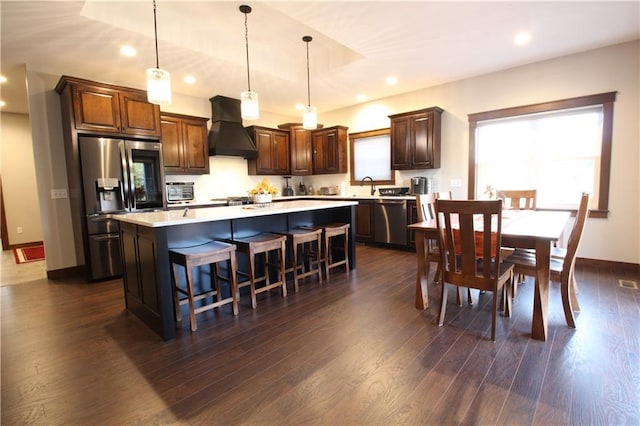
(207,254)
(301,242)
(265,242)
(556,252)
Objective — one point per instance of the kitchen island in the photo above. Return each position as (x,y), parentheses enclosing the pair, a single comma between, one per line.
(146,238)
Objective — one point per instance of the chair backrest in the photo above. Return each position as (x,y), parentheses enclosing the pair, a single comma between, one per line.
(576,232)
(523,199)
(426,206)
(477,225)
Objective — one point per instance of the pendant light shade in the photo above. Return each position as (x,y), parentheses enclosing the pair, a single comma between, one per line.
(310,114)
(158,80)
(249,106)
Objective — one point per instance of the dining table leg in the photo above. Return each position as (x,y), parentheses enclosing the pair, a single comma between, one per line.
(422,278)
(541,292)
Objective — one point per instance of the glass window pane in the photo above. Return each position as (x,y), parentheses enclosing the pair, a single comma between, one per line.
(557,153)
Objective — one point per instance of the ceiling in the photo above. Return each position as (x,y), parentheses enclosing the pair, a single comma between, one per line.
(356,44)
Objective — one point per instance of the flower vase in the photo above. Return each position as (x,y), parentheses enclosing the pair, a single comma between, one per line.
(262,198)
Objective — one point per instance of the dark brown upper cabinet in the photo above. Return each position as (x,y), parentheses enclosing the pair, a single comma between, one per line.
(114,110)
(185,148)
(415,139)
(273,151)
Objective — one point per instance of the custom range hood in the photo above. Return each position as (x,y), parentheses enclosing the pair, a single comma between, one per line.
(227,135)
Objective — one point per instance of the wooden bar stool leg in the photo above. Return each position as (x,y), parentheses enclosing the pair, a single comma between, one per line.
(192,312)
(282,268)
(176,294)
(346,250)
(327,254)
(233,281)
(252,280)
(294,252)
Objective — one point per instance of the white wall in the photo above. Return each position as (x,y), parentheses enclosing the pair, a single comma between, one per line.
(19,187)
(614,68)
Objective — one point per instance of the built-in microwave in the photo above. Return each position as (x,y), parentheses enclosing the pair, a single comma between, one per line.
(179,192)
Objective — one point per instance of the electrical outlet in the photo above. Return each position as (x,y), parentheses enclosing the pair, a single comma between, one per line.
(456,183)
(58,193)
(19,230)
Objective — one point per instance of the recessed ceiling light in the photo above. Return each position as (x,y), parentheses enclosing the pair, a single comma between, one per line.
(300,107)
(128,51)
(189,79)
(361,98)
(3,79)
(2,103)
(522,38)
(391,81)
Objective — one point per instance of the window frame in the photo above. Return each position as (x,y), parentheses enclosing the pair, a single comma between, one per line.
(362,135)
(606,100)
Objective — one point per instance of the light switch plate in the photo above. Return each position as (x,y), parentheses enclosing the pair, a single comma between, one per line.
(59,193)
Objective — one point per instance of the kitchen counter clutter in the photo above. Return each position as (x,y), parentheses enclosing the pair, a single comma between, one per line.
(146,239)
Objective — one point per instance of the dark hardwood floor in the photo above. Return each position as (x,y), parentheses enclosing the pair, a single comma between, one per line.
(351,351)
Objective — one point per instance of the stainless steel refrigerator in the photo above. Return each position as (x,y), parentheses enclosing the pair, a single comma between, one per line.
(118,176)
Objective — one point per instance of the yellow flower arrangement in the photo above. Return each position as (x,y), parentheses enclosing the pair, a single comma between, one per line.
(264,187)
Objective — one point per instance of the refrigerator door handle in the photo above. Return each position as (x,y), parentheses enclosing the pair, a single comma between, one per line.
(127,177)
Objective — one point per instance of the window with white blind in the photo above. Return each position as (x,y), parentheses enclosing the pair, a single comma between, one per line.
(560,148)
(371,156)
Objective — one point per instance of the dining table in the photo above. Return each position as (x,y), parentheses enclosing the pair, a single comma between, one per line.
(532,229)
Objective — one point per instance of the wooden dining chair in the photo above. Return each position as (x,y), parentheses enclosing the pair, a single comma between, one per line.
(521,199)
(426,204)
(470,251)
(562,265)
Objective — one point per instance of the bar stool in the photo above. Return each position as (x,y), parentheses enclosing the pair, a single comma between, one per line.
(328,232)
(331,231)
(300,240)
(207,254)
(262,243)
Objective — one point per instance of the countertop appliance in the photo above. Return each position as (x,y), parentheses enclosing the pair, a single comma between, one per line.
(390,221)
(118,176)
(287,191)
(180,192)
(419,185)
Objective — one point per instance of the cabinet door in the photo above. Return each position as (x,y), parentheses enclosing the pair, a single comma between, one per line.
(401,144)
(301,151)
(139,117)
(195,146)
(273,151)
(172,154)
(319,155)
(330,150)
(364,221)
(422,142)
(280,153)
(96,109)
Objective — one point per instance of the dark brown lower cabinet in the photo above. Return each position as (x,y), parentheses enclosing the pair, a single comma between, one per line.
(364,223)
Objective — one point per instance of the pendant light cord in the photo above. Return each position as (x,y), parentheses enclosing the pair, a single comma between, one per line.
(307,39)
(246,43)
(155,31)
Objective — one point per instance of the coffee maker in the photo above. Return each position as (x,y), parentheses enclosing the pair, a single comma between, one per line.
(419,185)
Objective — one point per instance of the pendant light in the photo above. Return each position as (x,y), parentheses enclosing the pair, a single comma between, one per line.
(158,80)
(309,115)
(249,100)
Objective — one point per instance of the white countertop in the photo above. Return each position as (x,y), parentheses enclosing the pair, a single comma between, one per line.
(209,214)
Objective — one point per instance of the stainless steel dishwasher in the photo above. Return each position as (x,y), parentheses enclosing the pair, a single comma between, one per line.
(390,221)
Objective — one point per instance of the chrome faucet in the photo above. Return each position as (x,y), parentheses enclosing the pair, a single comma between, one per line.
(373,187)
